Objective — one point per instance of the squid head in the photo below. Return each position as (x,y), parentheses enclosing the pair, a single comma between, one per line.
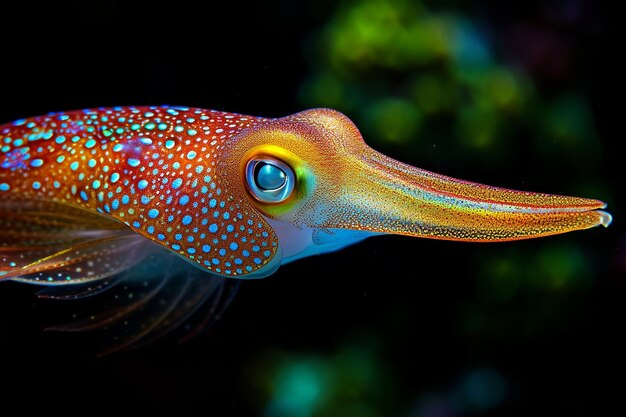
(319,187)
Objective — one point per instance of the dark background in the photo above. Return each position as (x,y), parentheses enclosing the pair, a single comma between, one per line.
(406,300)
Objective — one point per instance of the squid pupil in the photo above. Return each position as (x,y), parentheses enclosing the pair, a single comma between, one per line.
(269,177)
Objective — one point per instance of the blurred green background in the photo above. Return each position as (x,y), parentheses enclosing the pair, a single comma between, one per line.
(520,95)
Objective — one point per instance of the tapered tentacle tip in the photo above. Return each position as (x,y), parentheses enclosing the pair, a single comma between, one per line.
(605,218)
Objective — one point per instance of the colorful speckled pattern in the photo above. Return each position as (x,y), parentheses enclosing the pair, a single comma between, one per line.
(152,168)
(177,176)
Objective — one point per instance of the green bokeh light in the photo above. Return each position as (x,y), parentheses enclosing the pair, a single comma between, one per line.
(346,382)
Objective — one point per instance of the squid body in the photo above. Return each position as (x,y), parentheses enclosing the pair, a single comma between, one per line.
(92,197)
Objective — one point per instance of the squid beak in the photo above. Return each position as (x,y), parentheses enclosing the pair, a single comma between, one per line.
(382,195)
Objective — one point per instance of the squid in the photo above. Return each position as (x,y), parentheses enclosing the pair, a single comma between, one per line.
(176,205)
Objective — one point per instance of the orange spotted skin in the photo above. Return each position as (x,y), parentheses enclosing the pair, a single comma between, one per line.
(159,206)
(177,176)
(152,168)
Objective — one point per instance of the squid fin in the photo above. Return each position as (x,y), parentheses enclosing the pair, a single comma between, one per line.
(55,244)
(126,289)
(145,305)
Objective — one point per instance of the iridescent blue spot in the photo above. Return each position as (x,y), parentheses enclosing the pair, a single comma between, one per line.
(178,236)
(56,184)
(245,253)
(125,199)
(215,261)
(176,247)
(226,215)
(136,224)
(4,187)
(184,200)
(257,260)
(190,239)
(95,184)
(36,185)
(161,236)
(206,248)
(248,268)
(170,144)
(199,169)
(233,246)
(207,178)
(90,144)
(145,199)
(238,261)
(153,213)
(212,203)
(142,184)
(213,228)
(177,183)
(192,132)
(191,250)
(114,177)
(133,162)
(147,141)
(36,163)
(222,252)
(191,154)
(91,163)
(118,147)
(150,229)
(115,204)
(176,165)
(230,228)
(60,139)
(187,220)
(83,195)
(74,166)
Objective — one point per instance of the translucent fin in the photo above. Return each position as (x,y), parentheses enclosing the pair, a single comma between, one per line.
(52,243)
(72,292)
(126,289)
(149,301)
(209,312)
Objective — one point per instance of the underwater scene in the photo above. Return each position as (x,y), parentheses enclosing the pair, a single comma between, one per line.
(281,209)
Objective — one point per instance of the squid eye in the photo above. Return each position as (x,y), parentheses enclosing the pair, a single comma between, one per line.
(269,180)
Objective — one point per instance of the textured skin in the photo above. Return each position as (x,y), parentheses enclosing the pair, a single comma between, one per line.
(153,169)
(175,176)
